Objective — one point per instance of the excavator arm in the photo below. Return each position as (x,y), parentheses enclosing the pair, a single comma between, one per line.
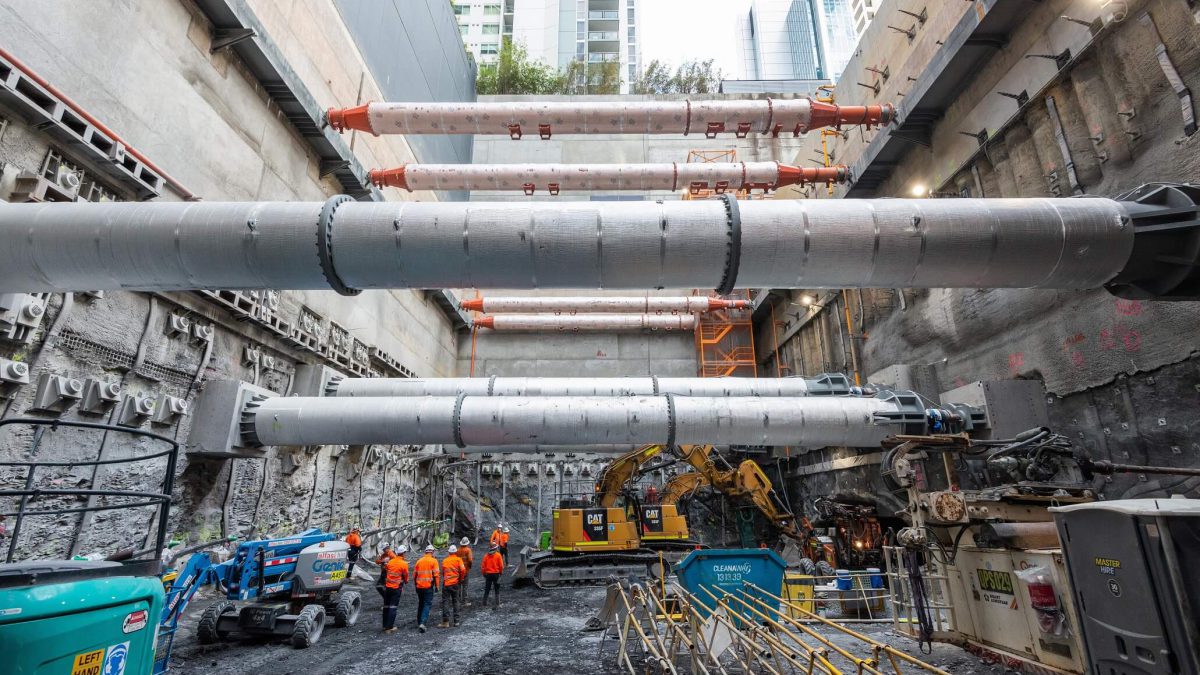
(682,485)
(620,471)
(744,482)
(752,483)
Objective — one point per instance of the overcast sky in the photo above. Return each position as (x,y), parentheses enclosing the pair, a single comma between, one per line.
(673,31)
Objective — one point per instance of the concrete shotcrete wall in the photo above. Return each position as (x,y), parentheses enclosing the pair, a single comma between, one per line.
(1120,374)
(146,70)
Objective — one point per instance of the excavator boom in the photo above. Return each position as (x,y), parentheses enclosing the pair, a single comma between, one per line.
(744,482)
(683,485)
(620,471)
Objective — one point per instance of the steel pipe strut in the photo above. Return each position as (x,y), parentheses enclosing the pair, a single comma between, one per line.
(650,304)
(586,322)
(571,420)
(835,384)
(555,178)
(515,119)
(606,449)
(721,244)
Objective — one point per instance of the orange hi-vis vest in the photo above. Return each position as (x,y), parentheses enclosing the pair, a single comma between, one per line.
(504,539)
(384,558)
(425,573)
(397,573)
(493,563)
(497,536)
(353,539)
(467,555)
(453,570)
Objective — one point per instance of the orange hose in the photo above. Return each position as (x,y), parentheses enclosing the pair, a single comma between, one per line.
(474,332)
(179,187)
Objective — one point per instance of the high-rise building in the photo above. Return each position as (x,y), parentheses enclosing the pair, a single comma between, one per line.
(556,32)
(804,37)
(795,39)
(838,36)
(862,11)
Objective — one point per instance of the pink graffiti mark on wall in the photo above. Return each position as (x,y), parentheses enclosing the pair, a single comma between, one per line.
(1071,347)
(1016,361)
(1120,336)
(1128,307)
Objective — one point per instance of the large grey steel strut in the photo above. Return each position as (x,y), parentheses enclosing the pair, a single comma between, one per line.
(829,384)
(466,421)
(1139,248)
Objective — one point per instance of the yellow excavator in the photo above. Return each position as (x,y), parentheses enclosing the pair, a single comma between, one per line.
(594,539)
(747,483)
(591,540)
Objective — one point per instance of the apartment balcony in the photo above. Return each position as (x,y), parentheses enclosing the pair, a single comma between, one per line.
(604,20)
(604,41)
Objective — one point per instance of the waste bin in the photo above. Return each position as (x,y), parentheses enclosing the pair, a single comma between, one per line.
(727,570)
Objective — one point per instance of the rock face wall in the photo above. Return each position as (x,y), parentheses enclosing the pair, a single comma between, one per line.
(203,117)
(1119,374)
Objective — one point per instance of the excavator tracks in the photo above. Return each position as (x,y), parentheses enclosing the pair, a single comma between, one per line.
(594,569)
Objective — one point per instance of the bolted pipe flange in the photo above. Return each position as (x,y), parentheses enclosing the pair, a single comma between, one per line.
(325,245)
(733,257)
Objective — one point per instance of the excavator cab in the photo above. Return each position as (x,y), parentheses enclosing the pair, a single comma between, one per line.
(663,523)
(592,530)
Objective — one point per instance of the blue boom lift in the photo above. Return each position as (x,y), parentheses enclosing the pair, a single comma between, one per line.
(290,585)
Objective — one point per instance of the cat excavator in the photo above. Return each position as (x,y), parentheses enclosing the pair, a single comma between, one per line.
(594,539)
(747,483)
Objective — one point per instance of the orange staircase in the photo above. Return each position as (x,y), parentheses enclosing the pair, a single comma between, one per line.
(725,342)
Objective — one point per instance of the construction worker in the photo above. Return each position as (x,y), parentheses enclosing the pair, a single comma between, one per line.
(382,560)
(395,575)
(354,539)
(492,566)
(497,535)
(453,572)
(425,579)
(468,557)
(504,544)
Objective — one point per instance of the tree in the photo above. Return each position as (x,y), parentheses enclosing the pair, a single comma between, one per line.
(579,77)
(515,73)
(691,77)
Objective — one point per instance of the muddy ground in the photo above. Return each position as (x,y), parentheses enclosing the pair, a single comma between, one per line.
(534,631)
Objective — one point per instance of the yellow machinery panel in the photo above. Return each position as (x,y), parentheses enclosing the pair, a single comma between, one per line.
(993,599)
(1055,643)
(587,530)
(1000,605)
(662,522)
(798,590)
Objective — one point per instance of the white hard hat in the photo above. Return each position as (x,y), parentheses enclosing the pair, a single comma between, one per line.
(401,549)
(466,541)
(452,549)
(506,528)
(429,548)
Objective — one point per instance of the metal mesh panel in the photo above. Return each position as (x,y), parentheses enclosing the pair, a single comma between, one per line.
(111,357)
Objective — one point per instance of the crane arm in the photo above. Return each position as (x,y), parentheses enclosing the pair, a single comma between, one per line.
(620,471)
